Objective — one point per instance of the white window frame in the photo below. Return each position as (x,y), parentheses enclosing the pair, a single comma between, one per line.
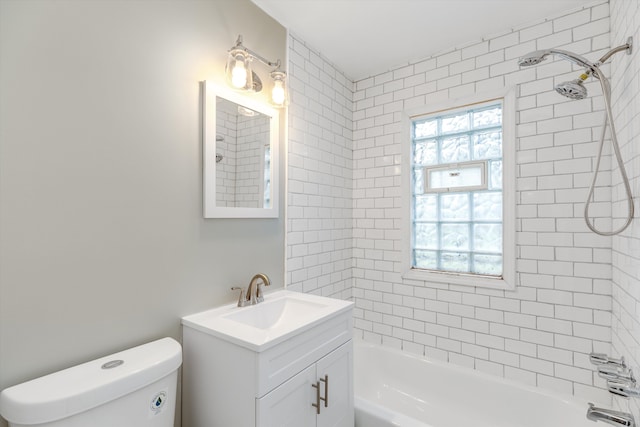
(508,279)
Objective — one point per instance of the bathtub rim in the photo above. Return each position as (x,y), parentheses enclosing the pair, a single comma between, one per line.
(359,343)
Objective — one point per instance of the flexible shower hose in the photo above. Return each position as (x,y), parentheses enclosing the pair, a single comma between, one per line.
(608,118)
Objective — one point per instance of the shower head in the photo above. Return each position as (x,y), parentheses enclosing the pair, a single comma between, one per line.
(573,89)
(534,58)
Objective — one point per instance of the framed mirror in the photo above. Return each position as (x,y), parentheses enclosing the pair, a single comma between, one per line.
(240,155)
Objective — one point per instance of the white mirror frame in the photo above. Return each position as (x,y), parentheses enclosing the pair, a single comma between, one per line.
(209,93)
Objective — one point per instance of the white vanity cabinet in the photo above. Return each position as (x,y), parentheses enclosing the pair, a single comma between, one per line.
(229,382)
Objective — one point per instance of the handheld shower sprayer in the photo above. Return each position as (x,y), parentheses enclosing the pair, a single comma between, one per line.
(575,89)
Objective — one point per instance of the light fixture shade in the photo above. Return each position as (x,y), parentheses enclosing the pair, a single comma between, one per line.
(279,91)
(238,70)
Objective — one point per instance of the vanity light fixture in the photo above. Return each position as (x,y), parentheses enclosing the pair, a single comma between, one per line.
(240,76)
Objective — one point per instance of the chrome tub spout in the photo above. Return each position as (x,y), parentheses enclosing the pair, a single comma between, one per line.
(615,418)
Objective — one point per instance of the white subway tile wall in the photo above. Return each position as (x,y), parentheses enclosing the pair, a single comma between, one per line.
(542,332)
(345,205)
(320,176)
(625,256)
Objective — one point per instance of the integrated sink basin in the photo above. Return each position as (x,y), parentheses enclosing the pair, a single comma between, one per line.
(280,311)
(281,315)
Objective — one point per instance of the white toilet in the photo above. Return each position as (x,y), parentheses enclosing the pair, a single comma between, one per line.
(133,388)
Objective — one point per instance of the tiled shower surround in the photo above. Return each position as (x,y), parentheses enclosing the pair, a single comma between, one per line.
(320,176)
(346,140)
(625,22)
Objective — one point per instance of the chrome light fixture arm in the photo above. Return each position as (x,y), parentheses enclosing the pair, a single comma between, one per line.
(239,46)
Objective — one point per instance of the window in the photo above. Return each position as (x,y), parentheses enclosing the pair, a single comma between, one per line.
(460,222)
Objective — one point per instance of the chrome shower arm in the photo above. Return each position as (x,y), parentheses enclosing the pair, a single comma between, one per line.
(628,46)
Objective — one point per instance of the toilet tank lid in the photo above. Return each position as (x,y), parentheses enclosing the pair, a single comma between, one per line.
(82,387)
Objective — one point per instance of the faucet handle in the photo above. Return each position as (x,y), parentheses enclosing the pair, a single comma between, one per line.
(259,294)
(242,301)
(615,373)
(603,359)
(624,388)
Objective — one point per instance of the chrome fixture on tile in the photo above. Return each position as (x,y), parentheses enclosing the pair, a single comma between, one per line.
(603,359)
(615,418)
(620,378)
(241,76)
(615,373)
(576,90)
(624,388)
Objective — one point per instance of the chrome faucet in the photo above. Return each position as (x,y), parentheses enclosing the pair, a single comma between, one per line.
(257,296)
(615,418)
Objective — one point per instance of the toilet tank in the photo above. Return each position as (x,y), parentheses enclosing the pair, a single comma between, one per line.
(132,388)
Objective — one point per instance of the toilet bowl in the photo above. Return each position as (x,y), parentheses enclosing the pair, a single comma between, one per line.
(132,388)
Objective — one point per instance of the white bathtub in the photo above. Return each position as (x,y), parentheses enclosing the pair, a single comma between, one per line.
(394,388)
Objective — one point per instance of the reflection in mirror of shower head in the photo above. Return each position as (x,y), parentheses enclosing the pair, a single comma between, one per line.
(219,157)
(572,90)
(247,112)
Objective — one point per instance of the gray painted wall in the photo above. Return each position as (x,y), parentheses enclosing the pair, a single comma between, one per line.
(102,241)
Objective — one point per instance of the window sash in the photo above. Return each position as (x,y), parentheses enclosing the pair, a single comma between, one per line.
(455,170)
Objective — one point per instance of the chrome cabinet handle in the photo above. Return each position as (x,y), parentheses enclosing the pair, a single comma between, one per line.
(325,380)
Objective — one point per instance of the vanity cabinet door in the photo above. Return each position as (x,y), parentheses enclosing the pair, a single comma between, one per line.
(328,383)
(336,371)
(289,405)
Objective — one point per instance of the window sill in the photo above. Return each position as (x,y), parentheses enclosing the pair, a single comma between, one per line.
(498,283)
